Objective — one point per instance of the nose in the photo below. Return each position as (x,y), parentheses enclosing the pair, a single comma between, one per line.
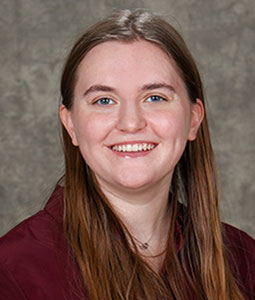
(131,119)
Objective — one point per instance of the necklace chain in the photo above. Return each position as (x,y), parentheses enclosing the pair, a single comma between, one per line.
(145,245)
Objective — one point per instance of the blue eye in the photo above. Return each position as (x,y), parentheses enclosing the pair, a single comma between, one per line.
(104,101)
(155,99)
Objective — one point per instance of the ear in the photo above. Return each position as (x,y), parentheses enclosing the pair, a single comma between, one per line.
(66,119)
(197,111)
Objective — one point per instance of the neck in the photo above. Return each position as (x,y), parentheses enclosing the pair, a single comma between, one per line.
(143,211)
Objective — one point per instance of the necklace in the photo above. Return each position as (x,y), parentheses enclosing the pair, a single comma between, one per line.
(146,245)
(141,245)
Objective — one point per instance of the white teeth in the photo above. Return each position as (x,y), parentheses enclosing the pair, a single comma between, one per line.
(133,147)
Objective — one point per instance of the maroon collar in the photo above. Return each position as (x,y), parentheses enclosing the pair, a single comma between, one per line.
(54,206)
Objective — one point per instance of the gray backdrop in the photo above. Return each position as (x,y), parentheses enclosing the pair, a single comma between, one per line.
(35,37)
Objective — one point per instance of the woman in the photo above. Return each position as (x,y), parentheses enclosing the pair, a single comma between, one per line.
(139,207)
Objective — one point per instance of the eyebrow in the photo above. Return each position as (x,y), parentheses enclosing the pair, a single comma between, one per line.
(98,88)
(146,87)
(159,85)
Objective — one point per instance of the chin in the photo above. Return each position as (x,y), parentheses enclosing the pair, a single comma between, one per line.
(134,183)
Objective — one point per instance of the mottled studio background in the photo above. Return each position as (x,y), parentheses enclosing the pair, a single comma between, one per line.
(35,36)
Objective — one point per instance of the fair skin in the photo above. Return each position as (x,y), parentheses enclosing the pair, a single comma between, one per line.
(131,119)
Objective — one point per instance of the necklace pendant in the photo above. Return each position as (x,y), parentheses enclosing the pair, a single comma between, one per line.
(144,246)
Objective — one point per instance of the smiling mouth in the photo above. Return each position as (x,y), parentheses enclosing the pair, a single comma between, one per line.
(133,148)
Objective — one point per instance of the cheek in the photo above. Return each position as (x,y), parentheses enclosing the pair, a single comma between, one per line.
(92,128)
(174,123)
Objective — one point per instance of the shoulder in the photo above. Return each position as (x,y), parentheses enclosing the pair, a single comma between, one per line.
(238,239)
(240,251)
(23,253)
(38,232)
(34,256)
(34,233)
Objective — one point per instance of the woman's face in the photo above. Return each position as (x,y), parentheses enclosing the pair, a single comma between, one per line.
(131,116)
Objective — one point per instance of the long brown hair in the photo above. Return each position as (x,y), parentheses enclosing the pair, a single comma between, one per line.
(110,267)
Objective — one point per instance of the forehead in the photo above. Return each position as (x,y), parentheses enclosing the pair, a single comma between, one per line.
(137,62)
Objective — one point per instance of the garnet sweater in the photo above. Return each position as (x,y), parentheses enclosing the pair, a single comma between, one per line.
(35,263)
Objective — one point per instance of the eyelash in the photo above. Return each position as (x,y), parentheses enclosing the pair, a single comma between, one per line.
(155,97)
(104,99)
